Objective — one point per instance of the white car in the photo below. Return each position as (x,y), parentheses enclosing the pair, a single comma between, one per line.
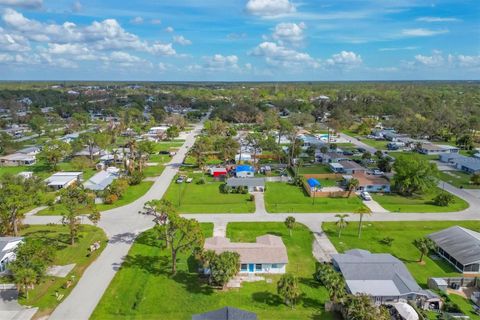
(377,172)
(365,196)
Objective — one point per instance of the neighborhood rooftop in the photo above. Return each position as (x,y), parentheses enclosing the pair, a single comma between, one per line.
(462,244)
(266,249)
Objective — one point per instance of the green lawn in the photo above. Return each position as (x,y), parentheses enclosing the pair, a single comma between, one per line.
(43,295)
(168,145)
(144,289)
(377,144)
(412,154)
(132,194)
(403,234)
(315,169)
(283,197)
(153,171)
(397,203)
(207,198)
(458,179)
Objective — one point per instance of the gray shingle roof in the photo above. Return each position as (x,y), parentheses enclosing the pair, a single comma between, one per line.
(461,243)
(227,313)
(249,182)
(4,241)
(378,274)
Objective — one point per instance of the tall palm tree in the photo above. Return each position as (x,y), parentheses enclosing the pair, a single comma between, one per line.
(341,223)
(424,245)
(352,185)
(361,212)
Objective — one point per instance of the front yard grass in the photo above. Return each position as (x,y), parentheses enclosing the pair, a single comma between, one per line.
(144,288)
(424,203)
(207,198)
(402,247)
(458,179)
(314,169)
(283,198)
(43,295)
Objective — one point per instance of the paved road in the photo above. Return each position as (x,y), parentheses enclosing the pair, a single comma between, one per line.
(123,224)
(358,143)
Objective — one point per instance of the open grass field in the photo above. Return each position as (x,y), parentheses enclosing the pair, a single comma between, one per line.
(397,203)
(207,198)
(144,289)
(314,169)
(458,179)
(43,295)
(403,234)
(282,197)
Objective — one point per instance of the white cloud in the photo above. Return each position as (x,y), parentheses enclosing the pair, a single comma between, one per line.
(136,20)
(276,55)
(27,4)
(269,8)
(181,40)
(221,62)
(435,60)
(13,42)
(169,29)
(421,32)
(68,48)
(345,59)
(165,49)
(289,32)
(467,61)
(77,6)
(437,19)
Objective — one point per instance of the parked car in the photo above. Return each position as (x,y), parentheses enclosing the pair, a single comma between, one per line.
(362,150)
(189,180)
(377,172)
(347,153)
(365,196)
(164,152)
(180,179)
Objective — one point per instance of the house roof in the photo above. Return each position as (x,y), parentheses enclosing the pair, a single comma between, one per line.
(336,165)
(266,249)
(349,164)
(100,181)
(29,150)
(368,179)
(244,168)
(61,178)
(378,274)
(226,313)
(461,243)
(18,157)
(4,241)
(248,182)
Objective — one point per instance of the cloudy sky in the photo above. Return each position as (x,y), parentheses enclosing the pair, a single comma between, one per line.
(239,39)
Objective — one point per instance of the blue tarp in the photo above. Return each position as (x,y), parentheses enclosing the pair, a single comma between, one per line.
(244,168)
(312,182)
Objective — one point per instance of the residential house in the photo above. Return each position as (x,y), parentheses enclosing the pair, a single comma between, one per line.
(267,255)
(432,149)
(30,151)
(68,138)
(26,174)
(17,159)
(460,162)
(62,180)
(7,251)
(369,183)
(244,171)
(226,313)
(383,277)
(331,156)
(253,184)
(244,157)
(460,247)
(351,167)
(85,152)
(100,181)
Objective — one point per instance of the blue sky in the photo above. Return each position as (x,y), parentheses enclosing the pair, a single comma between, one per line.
(277,40)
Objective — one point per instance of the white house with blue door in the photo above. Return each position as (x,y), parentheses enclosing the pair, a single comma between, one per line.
(267,255)
(244,171)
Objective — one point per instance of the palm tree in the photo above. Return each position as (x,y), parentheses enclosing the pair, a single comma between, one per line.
(115,153)
(25,278)
(424,245)
(288,287)
(290,223)
(361,212)
(341,223)
(352,185)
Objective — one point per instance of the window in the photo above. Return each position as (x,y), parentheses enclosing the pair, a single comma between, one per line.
(244,267)
(258,267)
(274,266)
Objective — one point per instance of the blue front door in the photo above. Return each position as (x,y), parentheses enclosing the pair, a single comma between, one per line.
(251,267)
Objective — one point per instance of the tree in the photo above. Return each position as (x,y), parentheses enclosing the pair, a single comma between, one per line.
(54,151)
(384,164)
(25,279)
(290,224)
(92,140)
(173,132)
(332,280)
(361,212)
(178,233)
(379,154)
(475,179)
(146,146)
(288,287)
(37,122)
(361,307)
(466,142)
(6,143)
(17,194)
(198,152)
(414,174)
(254,140)
(285,127)
(352,185)
(77,200)
(341,223)
(424,245)
(80,163)
(224,267)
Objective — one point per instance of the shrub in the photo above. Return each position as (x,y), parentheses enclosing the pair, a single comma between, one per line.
(252,197)
(387,241)
(111,198)
(443,199)
(135,178)
(201,181)
(80,163)
(244,190)
(118,187)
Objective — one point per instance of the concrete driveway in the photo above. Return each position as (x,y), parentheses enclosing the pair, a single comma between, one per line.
(9,307)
